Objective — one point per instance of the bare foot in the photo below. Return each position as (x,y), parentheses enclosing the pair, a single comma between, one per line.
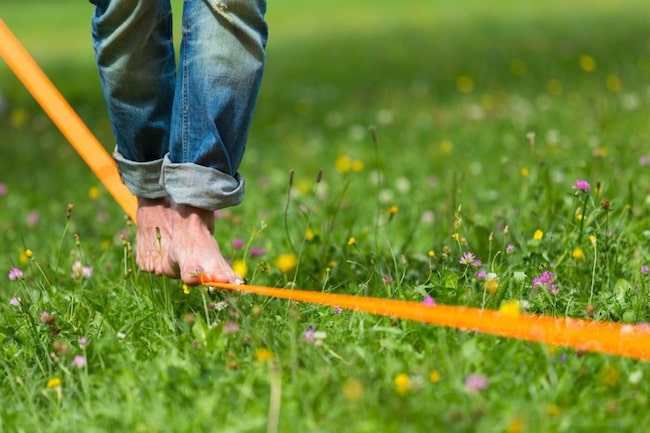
(154,234)
(194,254)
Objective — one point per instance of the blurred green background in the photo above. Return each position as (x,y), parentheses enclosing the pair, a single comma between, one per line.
(477,74)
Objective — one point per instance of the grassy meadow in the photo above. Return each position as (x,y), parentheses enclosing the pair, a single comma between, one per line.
(484,154)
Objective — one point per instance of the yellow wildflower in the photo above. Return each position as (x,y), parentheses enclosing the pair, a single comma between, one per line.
(431,253)
(578,254)
(510,309)
(393,210)
(464,84)
(53,383)
(22,258)
(524,171)
(491,282)
(352,241)
(553,410)
(515,426)
(434,376)
(94,193)
(18,118)
(402,383)
(587,63)
(353,389)
(286,262)
(343,164)
(263,355)
(614,83)
(446,146)
(303,186)
(240,267)
(592,239)
(357,165)
(554,87)
(609,375)
(309,235)
(186,289)
(29,254)
(538,235)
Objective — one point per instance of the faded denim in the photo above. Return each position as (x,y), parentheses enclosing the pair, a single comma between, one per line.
(181,131)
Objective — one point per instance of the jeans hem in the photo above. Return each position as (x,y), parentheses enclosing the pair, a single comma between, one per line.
(141,178)
(202,187)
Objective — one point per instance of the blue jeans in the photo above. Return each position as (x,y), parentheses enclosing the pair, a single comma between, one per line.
(181,132)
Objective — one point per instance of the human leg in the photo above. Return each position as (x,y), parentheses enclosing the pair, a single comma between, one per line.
(221,64)
(136,63)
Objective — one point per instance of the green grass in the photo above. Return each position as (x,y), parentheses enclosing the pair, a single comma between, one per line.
(454,92)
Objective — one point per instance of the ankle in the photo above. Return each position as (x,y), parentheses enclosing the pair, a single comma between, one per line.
(196,215)
(149,202)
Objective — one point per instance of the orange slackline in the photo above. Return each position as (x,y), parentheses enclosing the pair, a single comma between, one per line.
(611,338)
(64,117)
(585,335)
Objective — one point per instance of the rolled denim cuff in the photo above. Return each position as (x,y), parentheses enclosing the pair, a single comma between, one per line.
(141,178)
(200,186)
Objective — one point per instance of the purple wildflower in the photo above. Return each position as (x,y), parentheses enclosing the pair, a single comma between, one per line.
(80,271)
(83,341)
(3,189)
(33,218)
(429,301)
(645,270)
(546,280)
(230,327)
(481,274)
(256,252)
(476,382)
(644,160)
(15,301)
(79,361)
(468,258)
(308,335)
(581,185)
(15,274)
(510,249)
(387,279)
(336,310)
(238,243)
